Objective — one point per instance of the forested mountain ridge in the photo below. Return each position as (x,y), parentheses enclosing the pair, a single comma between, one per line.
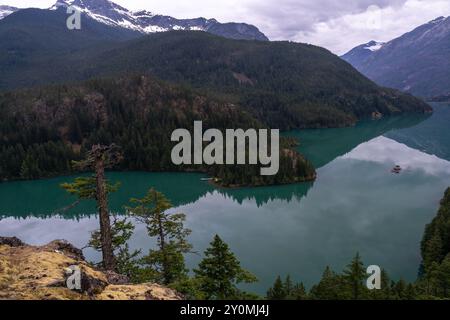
(31,40)
(44,129)
(226,83)
(250,83)
(293,85)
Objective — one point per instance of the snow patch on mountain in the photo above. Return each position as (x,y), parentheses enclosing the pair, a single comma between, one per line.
(374,46)
(6,11)
(112,14)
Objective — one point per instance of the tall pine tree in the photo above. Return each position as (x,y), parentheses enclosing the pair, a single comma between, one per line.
(220,272)
(355,274)
(96,187)
(278,291)
(168,260)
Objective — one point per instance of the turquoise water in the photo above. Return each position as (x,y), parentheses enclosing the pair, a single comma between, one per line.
(356,204)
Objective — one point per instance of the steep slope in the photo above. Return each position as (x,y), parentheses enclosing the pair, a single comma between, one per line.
(31,40)
(417,62)
(143,21)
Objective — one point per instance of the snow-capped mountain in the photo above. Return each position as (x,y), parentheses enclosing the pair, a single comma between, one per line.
(112,14)
(417,62)
(6,11)
(373,46)
(358,55)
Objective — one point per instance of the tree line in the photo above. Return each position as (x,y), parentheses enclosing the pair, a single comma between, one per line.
(433,280)
(43,130)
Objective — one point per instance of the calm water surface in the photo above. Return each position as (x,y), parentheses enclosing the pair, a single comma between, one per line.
(356,204)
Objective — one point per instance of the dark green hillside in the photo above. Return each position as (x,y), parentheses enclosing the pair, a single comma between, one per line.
(436,240)
(36,45)
(285,84)
(42,130)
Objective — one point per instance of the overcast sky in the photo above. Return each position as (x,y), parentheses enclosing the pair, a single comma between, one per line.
(338,25)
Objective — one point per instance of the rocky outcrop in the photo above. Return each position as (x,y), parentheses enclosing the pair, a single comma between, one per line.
(43,273)
(11,241)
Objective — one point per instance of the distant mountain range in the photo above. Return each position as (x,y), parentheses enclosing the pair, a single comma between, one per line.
(144,22)
(418,62)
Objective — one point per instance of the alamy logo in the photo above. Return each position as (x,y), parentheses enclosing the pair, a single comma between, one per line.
(74,278)
(374,281)
(234,152)
(73,22)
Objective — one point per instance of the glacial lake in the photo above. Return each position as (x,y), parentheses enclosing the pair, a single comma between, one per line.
(356,205)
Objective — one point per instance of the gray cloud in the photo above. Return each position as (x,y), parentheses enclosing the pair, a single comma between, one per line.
(288,17)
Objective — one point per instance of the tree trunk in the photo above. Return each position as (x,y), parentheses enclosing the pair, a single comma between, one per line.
(105,224)
(162,248)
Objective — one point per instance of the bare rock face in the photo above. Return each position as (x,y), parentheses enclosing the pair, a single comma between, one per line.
(43,273)
(11,241)
(68,249)
(115,278)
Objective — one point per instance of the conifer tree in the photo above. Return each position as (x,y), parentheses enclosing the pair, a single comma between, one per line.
(97,187)
(443,278)
(29,168)
(410,292)
(298,292)
(433,250)
(330,287)
(355,274)
(436,239)
(277,292)
(168,260)
(400,289)
(220,272)
(385,292)
(121,232)
(438,279)
(287,290)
